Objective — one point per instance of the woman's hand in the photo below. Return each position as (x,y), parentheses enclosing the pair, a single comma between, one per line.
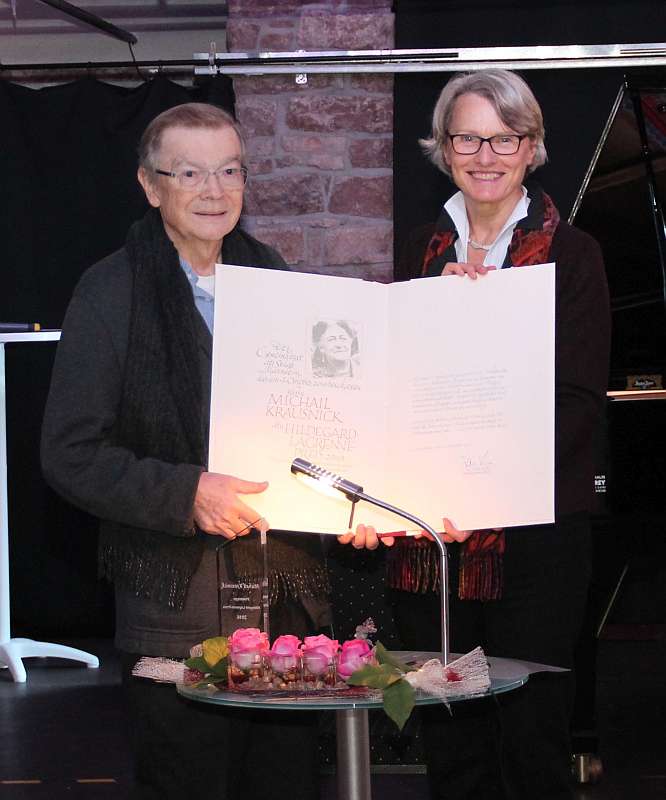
(452,534)
(462,269)
(365,537)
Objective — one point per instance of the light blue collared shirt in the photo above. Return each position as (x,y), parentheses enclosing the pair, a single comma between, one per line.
(204,300)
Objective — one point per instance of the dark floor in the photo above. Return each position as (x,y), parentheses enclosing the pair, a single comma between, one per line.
(61,732)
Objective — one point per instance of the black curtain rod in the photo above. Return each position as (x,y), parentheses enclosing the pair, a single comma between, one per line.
(82,65)
(274,59)
(302,61)
(240,61)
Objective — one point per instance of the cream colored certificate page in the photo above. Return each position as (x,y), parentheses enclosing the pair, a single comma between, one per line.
(465,369)
(472,397)
(271,404)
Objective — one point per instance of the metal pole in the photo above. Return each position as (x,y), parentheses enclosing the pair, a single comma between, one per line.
(91,19)
(353,750)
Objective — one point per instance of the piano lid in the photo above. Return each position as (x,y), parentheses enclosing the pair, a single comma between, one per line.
(621,204)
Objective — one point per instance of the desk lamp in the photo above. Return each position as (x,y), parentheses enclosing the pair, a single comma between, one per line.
(328,482)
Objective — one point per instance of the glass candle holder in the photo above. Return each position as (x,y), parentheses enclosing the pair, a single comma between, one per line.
(319,671)
(286,670)
(246,670)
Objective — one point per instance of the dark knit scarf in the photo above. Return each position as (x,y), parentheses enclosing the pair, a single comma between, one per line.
(413,565)
(161,416)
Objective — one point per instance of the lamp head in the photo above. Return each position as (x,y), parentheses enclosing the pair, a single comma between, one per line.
(324,479)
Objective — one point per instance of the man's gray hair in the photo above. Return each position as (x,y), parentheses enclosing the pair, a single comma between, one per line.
(188,115)
(509,95)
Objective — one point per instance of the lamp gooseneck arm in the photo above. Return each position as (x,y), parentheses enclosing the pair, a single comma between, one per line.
(443,566)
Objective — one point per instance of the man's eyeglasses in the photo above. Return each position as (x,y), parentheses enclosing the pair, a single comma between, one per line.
(194,177)
(503,144)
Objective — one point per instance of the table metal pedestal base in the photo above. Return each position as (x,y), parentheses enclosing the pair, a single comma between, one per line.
(353,748)
(13,651)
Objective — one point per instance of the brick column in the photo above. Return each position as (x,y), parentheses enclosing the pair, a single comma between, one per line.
(320,154)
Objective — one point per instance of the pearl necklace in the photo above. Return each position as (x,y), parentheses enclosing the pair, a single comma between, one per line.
(479,246)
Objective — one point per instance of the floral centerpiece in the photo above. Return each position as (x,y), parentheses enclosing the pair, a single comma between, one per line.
(247,661)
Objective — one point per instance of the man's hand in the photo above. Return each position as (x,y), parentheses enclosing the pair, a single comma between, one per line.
(219,511)
(365,537)
(462,269)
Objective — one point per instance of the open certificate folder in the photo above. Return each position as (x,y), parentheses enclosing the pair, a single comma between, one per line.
(436,395)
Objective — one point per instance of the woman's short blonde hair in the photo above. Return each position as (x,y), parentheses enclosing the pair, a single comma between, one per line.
(509,95)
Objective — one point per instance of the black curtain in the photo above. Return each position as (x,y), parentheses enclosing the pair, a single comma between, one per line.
(68,161)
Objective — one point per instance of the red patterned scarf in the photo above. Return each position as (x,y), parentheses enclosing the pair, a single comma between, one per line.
(413,564)
(530,243)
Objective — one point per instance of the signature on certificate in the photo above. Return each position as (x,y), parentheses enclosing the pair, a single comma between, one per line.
(478,463)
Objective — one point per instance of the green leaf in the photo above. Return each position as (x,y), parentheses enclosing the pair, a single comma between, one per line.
(220,669)
(198,662)
(384,657)
(377,676)
(399,702)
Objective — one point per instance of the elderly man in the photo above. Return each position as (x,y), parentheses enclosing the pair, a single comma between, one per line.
(125,438)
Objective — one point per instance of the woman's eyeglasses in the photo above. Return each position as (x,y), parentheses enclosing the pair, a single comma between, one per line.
(502,144)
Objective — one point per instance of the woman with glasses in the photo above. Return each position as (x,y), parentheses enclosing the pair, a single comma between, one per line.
(520,593)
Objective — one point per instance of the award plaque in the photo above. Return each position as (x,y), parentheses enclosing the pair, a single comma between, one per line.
(242,597)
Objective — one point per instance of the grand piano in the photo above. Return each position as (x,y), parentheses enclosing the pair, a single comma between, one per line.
(621,203)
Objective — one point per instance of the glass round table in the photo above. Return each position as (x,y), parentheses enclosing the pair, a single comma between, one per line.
(352,730)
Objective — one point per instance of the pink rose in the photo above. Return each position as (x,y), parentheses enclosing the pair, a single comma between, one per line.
(248,640)
(285,652)
(321,643)
(354,654)
(318,652)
